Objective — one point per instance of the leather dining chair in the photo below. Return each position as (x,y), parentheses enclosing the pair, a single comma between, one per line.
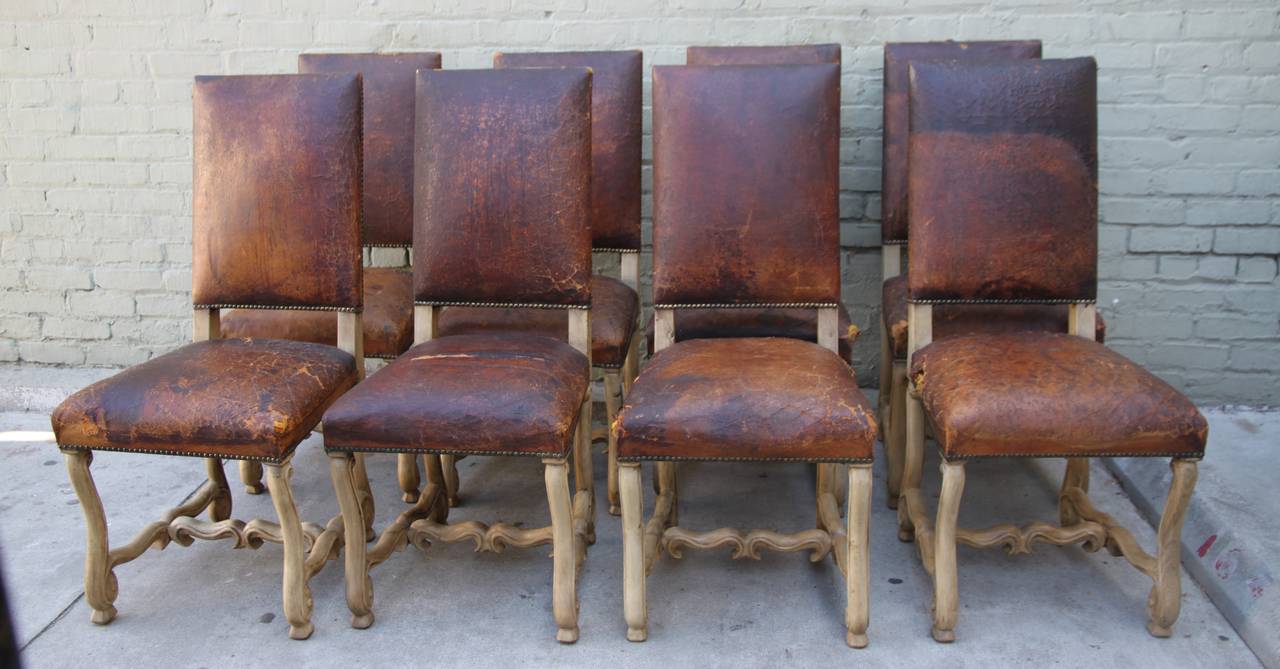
(502,206)
(276,225)
(1003,212)
(746,167)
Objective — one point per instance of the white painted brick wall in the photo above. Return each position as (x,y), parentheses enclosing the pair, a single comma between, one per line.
(95,148)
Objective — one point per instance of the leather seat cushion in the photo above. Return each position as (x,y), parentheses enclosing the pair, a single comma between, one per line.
(958,319)
(388,317)
(614,307)
(487,394)
(239,399)
(764,322)
(746,399)
(1049,395)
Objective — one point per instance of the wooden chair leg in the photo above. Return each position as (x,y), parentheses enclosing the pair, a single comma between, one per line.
(100,586)
(435,476)
(251,477)
(896,432)
(343,472)
(858,556)
(912,460)
(583,472)
(886,383)
(220,507)
(1076,476)
(361,478)
(612,404)
(634,606)
(297,594)
(450,465)
(665,479)
(1164,603)
(408,477)
(564,553)
(946,598)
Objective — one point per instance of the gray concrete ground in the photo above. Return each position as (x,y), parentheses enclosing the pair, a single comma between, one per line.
(208,605)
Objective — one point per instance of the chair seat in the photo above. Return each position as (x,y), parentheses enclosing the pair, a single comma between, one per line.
(764,399)
(959,319)
(388,317)
(242,399)
(1045,394)
(614,307)
(484,394)
(762,322)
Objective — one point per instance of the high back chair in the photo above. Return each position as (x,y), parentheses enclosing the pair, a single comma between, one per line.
(1003,212)
(501,219)
(746,179)
(276,225)
(616,91)
(387,207)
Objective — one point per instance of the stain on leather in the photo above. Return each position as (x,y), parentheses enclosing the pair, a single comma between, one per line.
(800,54)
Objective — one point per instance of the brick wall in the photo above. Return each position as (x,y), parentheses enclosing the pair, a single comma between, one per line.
(95,148)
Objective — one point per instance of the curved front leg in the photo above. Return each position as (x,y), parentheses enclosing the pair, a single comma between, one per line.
(100,587)
(297,594)
(342,470)
(1165,601)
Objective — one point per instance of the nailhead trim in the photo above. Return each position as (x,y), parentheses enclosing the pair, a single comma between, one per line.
(1086,454)
(752,305)
(268,306)
(411,450)
(510,305)
(893,242)
(606,249)
(985,301)
(189,454)
(387,245)
(643,458)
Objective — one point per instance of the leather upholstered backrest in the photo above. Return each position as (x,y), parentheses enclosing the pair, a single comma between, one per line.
(1003,181)
(276,192)
(388,135)
(806,54)
(502,187)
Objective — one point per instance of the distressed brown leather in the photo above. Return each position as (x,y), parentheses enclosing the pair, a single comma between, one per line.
(1049,395)
(503,160)
(488,394)
(228,398)
(616,92)
(746,399)
(614,307)
(1003,167)
(800,54)
(387,317)
(746,179)
(776,322)
(388,135)
(897,60)
(950,320)
(276,191)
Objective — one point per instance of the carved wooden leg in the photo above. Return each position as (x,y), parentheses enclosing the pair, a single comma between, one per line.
(1166,594)
(665,475)
(99,580)
(407,474)
(912,460)
(612,403)
(583,474)
(251,476)
(634,607)
(1076,476)
(435,476)
(564,589)
(946,597)
(450,465)
(220,505)
(895,434)
(297,594)
(857,579)
(343,471)
(365,492)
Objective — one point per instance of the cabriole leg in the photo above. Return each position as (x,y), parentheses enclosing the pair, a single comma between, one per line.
(1165,600)
(342,469)
(1076,476)
(635,609)
(946,598)
(912,461)
(564,554)
(858,556)
(297,594)
(361,479)
(99,581)
(220,507)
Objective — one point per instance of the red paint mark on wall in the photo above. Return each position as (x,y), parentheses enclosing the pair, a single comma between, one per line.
(1204,547)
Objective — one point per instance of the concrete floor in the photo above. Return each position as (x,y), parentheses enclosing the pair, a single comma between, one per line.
(208,605)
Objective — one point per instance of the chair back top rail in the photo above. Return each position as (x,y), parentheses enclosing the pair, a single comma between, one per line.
(801,54)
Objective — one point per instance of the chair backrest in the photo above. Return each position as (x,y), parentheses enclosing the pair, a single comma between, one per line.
(1003,181)
(746,185)
(897,61)
(276,192)
(806,54)
(616,133)
(502,188)
(388,135)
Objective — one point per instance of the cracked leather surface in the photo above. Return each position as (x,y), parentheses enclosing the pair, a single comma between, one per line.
(746,179)
(897,60)
(503,393)
(276,191)
(1042,394)
(616,91)
(807,54)
(387,317)
(614,307)
(748,399)
(776,322)
(388,135)
(503,172)
(230,398)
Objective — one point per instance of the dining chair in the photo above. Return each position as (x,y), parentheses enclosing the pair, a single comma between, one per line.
(502,207)
(1003,198)
(276,225)
(746,185)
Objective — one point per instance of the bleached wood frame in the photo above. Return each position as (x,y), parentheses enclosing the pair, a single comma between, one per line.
(572,526)
(891,399)
(307,546)
(847,540)
(1078,520)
